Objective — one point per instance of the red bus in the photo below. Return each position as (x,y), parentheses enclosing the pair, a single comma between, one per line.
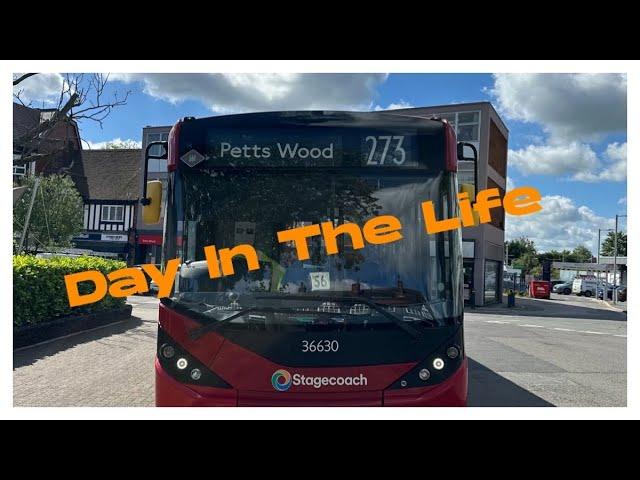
(373,325)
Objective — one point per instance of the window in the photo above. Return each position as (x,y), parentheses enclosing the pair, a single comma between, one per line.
(466,124)
(112,213)
(497,150)
(19,170)
(492,274)
(497,214)
(157,165)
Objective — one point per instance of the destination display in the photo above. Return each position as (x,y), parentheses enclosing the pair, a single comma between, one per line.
(316,148)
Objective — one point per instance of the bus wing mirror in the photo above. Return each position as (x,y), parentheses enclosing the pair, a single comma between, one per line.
(152,202)
(467,152)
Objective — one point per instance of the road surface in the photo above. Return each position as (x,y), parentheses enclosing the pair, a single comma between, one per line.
(568,351)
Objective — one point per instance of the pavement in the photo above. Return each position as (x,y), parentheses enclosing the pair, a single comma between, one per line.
(566,351)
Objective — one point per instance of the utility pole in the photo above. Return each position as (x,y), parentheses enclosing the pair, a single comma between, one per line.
(36,185)
(615,261)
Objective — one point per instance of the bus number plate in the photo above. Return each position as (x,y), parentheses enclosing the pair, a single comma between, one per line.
(320,346)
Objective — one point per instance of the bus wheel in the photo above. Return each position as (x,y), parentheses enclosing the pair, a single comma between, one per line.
(587,293)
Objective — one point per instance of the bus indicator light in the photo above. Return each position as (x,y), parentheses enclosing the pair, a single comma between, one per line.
(182,363)
(195,374)
(438,364)
(167,351)
(424,374)
(452,352)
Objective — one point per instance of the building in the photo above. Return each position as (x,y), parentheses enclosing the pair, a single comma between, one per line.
(59,146)
(148,247)
(483,245)
(108,181)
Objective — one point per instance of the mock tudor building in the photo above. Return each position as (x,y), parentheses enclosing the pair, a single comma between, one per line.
(108,181)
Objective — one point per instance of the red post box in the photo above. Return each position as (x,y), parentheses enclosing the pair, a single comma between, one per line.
(540,289)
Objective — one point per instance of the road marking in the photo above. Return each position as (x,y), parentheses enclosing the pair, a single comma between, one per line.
(592,333)
(497,321)
(531,326)
(564,329)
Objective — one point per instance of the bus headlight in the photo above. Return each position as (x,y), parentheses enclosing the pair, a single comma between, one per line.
(195,374)
(438,363)
(452,352)
(182,363)
(424,374)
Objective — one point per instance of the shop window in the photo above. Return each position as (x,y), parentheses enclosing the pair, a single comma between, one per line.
(492,279)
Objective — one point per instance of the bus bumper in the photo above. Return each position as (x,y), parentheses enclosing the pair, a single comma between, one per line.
(170,393)
(451,393)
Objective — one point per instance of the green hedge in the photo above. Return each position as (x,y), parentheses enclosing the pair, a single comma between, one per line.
(39,292)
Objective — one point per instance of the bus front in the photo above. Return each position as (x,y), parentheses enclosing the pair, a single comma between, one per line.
(370,325)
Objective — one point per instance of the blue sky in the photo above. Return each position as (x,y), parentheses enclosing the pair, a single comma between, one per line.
(567,131)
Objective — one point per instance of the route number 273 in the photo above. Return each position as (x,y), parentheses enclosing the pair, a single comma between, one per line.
(390,148)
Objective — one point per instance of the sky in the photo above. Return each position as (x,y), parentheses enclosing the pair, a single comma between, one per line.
(567,132)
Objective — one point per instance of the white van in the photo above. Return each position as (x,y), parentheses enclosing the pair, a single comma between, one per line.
(583,286)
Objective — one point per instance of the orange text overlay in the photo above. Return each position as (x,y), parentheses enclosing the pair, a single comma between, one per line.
(377,231)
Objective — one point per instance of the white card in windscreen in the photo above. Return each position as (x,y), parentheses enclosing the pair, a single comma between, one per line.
(320,281)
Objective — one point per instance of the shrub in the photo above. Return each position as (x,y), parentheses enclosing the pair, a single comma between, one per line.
(39,292)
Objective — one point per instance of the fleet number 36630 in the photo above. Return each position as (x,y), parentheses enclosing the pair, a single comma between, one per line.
(320,346)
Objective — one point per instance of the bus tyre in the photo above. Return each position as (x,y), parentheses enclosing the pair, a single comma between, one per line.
(588,293)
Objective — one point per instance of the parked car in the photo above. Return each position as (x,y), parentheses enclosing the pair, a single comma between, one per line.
(608,288)
(563,288)
(584,286)
(556,282)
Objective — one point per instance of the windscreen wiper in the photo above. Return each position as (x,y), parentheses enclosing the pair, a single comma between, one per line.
(378,308)
(200,331)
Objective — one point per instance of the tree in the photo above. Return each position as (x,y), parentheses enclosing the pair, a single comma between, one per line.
(608,246)
(518,247)
(121,145)
(581,254)
(527,262)
(82,97)
(56,216)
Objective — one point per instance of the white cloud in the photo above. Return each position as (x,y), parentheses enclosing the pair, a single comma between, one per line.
(570,107)
(614,167)
(232,92)
(569,159)
(394,106)
(575,160)
(622,201)
(561,224)
(510,184)
(89,145)
(41,89)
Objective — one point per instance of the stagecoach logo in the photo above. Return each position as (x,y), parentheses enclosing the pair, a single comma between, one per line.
(282,381)
(192,158)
